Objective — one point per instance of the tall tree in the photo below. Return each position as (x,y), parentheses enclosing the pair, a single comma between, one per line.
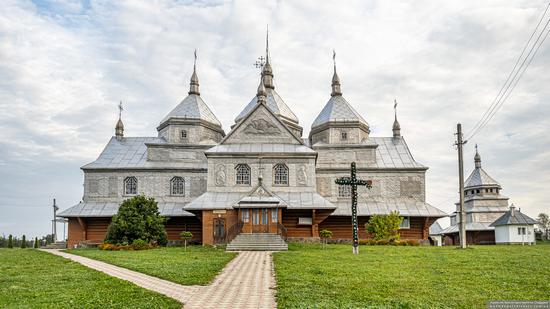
(544,224)
(137,218)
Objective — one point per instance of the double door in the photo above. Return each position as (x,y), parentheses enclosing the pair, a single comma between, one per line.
(260,220)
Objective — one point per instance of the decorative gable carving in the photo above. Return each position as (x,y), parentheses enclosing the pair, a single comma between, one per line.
(261,126)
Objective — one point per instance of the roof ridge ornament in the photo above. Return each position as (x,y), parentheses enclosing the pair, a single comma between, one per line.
(477,159)
(267,71)
(119,128)
(396,126)
(336,90)
(194,84)
(261,94)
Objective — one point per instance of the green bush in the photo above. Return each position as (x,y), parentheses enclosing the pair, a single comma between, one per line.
(384,227)
(325,235)
(23,242)
(140,244)
(10,241)
(186,235)
(137,218)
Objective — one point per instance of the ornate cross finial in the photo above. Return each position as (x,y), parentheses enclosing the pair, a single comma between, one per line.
(259,64)
(195,61)
(120,109)
(267,42)
(476,147)
(334,59)
(395,107)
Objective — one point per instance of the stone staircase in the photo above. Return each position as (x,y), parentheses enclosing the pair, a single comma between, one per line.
(257,242)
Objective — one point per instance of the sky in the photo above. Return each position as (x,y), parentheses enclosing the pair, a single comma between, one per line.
(65,65)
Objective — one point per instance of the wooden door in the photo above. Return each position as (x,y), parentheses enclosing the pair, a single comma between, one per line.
(260,220)
(219,230)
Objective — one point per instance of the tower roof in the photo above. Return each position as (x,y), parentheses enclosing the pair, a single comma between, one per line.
(338,109)
(479,177)
(274,102)
(514,217)
(193,106)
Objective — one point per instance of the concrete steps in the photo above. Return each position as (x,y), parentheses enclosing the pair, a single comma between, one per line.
(257,242)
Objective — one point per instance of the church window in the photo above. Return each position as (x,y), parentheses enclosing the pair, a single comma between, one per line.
(243,174)
(343,136)
(183,135)
(521,231)
(245,216)
(130,185)
(280,172)
(177,186)
(274,215)
(406,223)
(477,191)
(344,191)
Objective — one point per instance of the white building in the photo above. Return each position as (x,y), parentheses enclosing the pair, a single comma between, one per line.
(514,227)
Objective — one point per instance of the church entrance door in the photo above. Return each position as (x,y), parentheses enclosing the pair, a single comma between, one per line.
(219,230)
(260,220)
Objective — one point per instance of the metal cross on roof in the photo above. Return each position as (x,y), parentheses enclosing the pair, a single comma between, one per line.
(260,62)
(354,182)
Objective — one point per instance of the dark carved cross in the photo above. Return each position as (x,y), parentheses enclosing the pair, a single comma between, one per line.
(353,182)
(260,63)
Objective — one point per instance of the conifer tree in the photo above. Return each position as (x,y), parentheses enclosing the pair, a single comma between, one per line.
(10,241)
(23,242)
(36,243)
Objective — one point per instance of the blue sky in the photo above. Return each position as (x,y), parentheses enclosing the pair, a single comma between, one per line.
(65,65)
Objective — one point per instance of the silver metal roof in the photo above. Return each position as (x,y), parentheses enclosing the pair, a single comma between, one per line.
(193,107)
(514,217)
(131,152)
(256,148)
(479,178)
(435,229)
(405,207)
(109,209)
(337,109)
(275,104)
(472,226)
(226,200)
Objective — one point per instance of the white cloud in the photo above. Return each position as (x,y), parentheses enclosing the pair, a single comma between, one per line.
(64,65)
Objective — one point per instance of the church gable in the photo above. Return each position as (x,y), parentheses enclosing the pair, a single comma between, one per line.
(261,126)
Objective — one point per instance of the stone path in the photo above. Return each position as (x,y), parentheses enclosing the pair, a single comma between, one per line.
(246,282)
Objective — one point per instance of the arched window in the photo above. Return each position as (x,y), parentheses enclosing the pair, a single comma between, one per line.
(177,186)
(130,185)
(280,174)
(243,174)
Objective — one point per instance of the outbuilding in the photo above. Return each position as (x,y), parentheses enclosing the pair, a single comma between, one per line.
(514,227)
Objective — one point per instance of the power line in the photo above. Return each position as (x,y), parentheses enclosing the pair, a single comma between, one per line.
(507,87)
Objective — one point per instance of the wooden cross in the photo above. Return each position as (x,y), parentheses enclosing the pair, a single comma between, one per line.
(354,182)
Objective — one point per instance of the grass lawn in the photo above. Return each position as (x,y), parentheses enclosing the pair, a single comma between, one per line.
(34,279)
(197,265)
(410,277)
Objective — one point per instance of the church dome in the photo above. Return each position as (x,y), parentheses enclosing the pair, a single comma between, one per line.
(338,109)
(479,177)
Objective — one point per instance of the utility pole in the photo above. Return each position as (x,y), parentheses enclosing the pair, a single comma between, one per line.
(54,221)
(462,226)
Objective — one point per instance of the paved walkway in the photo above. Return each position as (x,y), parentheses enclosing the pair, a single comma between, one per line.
(246,282)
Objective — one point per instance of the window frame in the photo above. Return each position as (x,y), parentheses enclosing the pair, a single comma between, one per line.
(274,215)
(172,186)
(344,193)
(343,135)
(245,216)
(243,179)
(183,135)
(281,179)
(408,225)
(133,186)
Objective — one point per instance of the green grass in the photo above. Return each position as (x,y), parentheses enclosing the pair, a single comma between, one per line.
(34,279)
(410,277)
(198,265)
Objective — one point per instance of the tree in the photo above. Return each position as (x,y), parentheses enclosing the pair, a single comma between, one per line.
(325,235)
(36,243)
(10,241)
(23,242)
(384,226)
(185,235)
(543,222)
(137,218)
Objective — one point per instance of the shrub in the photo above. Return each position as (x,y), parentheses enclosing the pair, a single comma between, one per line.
(140,244)
(384,226)
(137,244)
(186,235)
(10,241)
(137,218)
(325,235)
(36,242)
(23,242)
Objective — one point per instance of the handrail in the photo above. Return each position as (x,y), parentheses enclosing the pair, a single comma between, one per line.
(233,231)
(281,230)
